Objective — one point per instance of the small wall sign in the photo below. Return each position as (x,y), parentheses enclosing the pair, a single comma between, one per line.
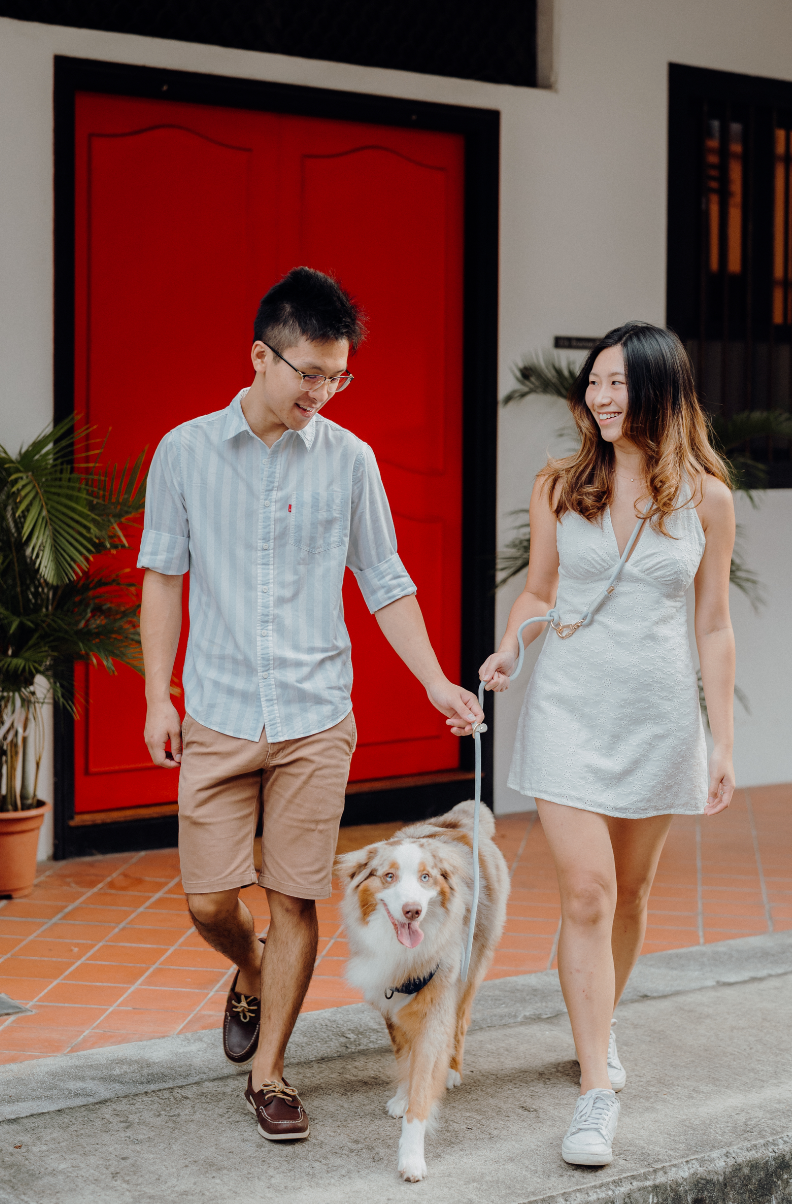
(574,342)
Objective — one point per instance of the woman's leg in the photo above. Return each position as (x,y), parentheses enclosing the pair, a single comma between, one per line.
(581,846)
(637,845)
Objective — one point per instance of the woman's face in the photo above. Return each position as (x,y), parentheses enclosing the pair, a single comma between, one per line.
(606,394)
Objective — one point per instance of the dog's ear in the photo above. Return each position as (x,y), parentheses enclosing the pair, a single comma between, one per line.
(353,868)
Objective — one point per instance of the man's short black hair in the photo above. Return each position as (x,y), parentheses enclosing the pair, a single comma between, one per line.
(311,304)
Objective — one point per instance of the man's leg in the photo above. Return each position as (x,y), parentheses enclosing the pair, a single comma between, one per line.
(303,794)
(219,791)
(286,969)
(225,923)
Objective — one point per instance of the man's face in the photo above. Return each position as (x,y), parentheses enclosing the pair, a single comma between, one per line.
(280,385)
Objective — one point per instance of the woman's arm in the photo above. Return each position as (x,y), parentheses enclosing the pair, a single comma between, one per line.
(541,586)
(715,638)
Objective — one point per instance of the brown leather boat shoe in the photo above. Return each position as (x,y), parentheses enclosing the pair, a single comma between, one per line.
(279,1111)
(241,1024)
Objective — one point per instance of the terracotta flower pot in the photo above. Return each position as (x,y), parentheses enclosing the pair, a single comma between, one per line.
(19,834)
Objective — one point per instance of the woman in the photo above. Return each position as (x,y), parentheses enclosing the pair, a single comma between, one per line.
(610,740)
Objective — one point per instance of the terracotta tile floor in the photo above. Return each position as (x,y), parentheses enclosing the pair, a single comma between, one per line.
(104,953)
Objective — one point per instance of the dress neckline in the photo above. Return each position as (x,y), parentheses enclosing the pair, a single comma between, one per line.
(620,551)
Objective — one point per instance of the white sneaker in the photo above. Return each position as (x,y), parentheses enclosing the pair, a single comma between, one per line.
(616,1072)
(589,1139)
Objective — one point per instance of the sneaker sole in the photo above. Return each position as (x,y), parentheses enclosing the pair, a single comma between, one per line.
(277,1136)
(237,1061)
(587,1159)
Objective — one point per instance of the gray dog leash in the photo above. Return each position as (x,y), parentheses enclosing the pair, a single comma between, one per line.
(564,631)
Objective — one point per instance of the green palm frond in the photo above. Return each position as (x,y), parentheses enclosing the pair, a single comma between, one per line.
(116,496)
(58,604)
(51,505)
(751,424)
(514,558)
(542,375)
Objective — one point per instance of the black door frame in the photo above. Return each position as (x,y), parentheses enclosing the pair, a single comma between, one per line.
(480,129)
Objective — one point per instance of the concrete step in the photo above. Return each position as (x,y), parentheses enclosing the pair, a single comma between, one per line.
(705,1116)
(70,1080)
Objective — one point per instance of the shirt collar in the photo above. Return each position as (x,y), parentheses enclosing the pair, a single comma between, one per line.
(236,422)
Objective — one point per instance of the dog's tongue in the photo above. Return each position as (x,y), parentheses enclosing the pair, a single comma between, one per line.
(409,935)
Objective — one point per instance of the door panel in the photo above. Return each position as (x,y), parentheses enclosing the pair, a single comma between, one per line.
(186,214)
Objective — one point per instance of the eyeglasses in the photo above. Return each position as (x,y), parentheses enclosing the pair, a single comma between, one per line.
(309,382)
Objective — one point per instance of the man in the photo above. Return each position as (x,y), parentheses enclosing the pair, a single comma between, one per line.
(265,503)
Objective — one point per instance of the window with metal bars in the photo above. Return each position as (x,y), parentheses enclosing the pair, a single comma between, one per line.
(464,38)
(730,255)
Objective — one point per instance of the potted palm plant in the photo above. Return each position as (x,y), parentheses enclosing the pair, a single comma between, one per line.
(58,511)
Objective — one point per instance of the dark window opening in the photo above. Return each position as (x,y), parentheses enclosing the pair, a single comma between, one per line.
(495,43)
(730,245)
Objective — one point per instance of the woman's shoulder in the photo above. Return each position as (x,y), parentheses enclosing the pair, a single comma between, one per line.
(715,502)
(549,482)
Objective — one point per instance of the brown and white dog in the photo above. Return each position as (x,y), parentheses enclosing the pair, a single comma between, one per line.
(406,910)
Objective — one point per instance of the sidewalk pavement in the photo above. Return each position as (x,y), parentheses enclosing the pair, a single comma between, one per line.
(103,952)
(704,1036)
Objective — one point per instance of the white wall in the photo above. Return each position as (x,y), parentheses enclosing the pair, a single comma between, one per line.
(583,236)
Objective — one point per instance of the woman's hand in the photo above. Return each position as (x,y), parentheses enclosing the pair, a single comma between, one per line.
(497,670)
(721,782)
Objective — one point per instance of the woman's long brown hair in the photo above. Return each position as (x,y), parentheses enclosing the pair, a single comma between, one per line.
(664,420)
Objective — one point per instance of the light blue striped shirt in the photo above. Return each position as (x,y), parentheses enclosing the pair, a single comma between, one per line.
(265,534)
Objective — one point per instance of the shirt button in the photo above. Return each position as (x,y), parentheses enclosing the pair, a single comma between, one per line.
(265,546)
(266,504)
(265,676)
(266,589)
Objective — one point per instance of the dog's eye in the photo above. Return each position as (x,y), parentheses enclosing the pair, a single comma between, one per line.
(387,877)
(425,877)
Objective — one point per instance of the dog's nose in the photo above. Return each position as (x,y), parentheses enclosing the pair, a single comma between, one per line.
(411,911)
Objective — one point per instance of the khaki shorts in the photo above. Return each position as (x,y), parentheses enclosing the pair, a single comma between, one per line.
(299,786)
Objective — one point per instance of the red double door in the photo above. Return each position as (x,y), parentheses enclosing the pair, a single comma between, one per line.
(186,215)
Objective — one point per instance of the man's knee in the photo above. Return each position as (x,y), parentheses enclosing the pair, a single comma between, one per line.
(213,908)
(289,907)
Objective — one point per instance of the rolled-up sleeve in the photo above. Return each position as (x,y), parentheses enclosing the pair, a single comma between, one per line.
(165,545)
(372,554)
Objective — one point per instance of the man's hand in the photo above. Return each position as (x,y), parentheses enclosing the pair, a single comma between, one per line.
(459,704)
(401,622)
(163,724)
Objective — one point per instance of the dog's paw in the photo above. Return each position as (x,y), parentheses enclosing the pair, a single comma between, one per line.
(453,1079)
(412,1168)
(396,1106)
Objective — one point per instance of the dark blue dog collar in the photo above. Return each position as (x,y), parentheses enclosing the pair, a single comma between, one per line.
(413,985)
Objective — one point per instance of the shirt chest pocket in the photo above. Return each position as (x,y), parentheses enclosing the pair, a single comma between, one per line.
(316,520)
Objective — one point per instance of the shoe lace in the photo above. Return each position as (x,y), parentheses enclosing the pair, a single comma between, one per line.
(246,1007)
(272,1089)
(595,1112)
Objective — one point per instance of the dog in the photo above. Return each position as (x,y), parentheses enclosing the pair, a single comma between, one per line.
(406,910)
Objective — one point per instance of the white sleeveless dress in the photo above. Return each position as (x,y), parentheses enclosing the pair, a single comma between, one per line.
(611,720)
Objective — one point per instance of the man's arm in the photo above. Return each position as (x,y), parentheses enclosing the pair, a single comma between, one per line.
(160,624)
(402,624)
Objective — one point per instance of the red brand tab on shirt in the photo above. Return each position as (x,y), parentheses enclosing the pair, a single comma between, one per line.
(289,507)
